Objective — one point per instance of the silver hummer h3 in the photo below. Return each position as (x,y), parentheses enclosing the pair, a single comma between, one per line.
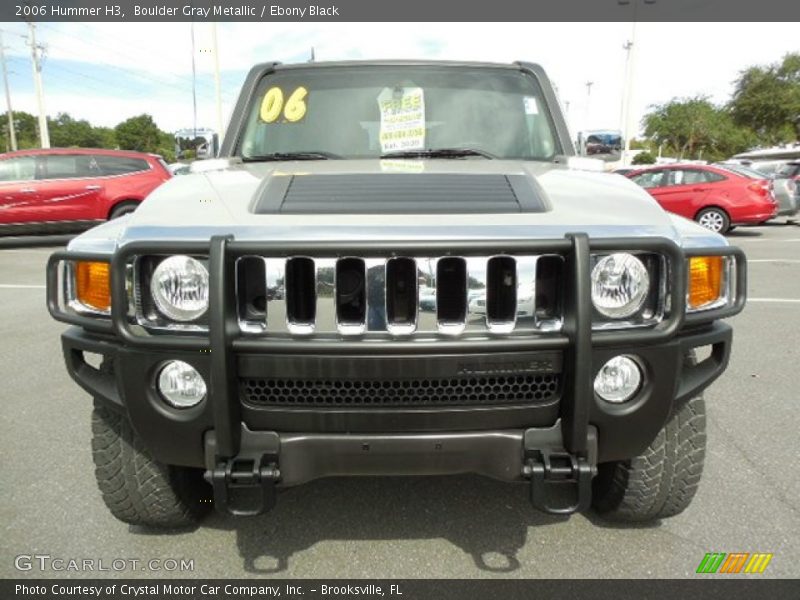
(394,268)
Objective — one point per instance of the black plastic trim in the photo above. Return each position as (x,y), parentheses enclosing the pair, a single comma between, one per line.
(100,383)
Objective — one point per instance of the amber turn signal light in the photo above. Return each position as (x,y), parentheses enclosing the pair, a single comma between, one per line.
(93,285)
(705,280)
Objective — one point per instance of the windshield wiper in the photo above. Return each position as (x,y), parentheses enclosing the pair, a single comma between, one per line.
(439,153)
(290,156)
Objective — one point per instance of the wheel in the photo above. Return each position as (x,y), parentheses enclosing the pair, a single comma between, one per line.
(662,481)
(123,208)
(137,489)
(715,219)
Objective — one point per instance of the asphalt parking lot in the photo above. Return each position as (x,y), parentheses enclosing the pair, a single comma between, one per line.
(412,527)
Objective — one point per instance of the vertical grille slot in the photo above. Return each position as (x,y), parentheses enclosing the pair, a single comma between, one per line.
(251,292)
(549,285)
(451,294)
(351,296)
(501,294)
(301,295)
(401,295)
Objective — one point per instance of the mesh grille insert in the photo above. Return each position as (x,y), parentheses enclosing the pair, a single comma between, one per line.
(509,389)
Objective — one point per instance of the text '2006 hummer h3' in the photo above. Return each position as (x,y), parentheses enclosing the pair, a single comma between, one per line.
(394,268)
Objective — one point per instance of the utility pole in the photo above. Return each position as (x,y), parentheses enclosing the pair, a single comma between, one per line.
(194,89)
(12,134)
(217,85)
(36,55)
(589,85)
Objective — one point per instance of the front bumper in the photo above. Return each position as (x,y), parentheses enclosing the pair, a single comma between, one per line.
(126,382)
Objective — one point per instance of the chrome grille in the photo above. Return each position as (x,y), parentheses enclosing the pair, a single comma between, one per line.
(401,296)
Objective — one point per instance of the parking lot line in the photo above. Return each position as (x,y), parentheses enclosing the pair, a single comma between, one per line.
(769,260)
(15,286)
(789,300)
(776,241)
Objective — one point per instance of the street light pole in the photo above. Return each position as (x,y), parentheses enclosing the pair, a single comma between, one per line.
(627,93)
(217,85)
(12,134)
(630,75)
(589,85)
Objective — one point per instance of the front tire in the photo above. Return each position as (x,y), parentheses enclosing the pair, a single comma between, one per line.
(715,219)
(662,481)
(136,488)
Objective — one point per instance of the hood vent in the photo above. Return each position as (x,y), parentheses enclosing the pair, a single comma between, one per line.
(394,193)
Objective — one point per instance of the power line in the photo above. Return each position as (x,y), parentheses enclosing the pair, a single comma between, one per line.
(112,50)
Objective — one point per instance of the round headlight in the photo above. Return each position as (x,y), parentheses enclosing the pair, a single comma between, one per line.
(180,288)
(619,285)
(181,385)
(618,380)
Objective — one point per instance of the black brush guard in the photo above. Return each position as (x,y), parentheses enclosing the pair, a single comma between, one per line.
(559,461)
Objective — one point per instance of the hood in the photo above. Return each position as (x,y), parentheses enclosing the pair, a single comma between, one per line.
(398,199)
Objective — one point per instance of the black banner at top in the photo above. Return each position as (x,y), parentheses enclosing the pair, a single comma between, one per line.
(400,10)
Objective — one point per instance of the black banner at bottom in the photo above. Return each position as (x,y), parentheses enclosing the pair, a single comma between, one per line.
(713,587)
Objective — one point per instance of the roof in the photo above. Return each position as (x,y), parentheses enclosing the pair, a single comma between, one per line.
(392,62)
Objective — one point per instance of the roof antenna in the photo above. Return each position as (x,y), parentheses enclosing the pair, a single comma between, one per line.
(312,55)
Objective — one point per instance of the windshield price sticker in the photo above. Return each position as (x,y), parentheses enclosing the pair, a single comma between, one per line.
(531,108)
(402,119)
(293,110)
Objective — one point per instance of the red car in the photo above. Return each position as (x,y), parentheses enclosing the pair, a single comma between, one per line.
(715,197)
(68,190)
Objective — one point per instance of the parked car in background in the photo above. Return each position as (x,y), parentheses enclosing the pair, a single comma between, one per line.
(783,178)
(69,190)
(179,168)
(718,198)
(787,188)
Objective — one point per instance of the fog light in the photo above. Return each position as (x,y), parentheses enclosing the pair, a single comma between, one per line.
(181,385)
(618,380)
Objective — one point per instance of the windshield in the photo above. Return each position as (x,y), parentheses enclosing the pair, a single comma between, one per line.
(379,110)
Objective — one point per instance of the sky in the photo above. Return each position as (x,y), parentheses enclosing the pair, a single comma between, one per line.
(107,72)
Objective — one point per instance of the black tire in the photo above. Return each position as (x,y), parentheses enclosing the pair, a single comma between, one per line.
(123,208)
(663,480)
(137,489)
(715,219)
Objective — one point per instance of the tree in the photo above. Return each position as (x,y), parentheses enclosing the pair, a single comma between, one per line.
(767,100)
(141,133)
(66,132)
(644,158)
(26,129)
(694,128)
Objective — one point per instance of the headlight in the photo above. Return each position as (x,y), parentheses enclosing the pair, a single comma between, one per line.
(180,288)
(619,285)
